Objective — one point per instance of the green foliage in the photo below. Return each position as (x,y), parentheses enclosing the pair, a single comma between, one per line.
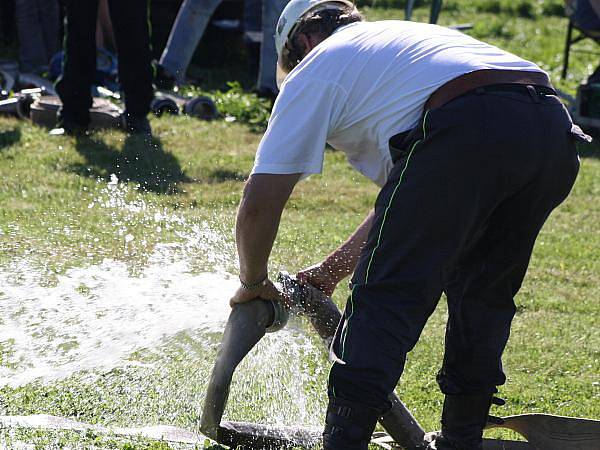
(158,446)
(521,8)
(235,104)
(493,28)
(552,8)
(244,107)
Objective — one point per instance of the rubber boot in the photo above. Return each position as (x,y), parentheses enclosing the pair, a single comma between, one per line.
(463,420)
(349,425)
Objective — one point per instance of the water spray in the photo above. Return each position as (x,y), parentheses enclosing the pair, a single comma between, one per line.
(249,322)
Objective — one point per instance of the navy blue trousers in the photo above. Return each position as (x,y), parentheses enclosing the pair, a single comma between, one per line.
(132,33)
(471,187)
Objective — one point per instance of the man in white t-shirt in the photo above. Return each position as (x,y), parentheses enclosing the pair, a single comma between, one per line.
(472,150)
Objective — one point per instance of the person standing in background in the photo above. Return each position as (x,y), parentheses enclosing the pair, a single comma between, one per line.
(37,25)
(188,29)
(132,35)
(190,25)
(105,37)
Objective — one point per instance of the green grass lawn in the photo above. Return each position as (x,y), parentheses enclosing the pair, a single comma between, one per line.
(120,210)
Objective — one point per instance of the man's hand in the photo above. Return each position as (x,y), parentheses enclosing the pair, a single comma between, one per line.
(326,275)
(320,276)
(267,291)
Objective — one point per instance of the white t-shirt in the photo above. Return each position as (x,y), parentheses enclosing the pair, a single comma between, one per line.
(361,86)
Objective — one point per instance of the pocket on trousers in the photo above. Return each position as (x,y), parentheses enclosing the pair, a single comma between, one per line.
(401,144)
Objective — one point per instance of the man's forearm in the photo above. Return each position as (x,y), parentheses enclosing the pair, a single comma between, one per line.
(344,259)
(256,229)
(258,221)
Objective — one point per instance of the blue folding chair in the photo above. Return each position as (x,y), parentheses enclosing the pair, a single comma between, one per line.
(582,19)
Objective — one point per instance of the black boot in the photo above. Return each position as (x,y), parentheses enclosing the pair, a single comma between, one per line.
(349,425)
(463,420)
(163,80)
(136,125)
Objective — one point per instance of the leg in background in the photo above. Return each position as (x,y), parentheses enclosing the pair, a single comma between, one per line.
(268,56)
(49,21)
(191,22)
(74,86)
(132,33)
(32,47)
(253,32)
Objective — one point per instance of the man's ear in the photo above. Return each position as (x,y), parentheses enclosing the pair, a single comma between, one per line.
(306,42)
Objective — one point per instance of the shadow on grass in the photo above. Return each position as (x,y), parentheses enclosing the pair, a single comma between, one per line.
(220,175)
(10,137)
(140,161)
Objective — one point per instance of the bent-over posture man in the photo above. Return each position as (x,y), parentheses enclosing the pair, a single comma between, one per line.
(472,149)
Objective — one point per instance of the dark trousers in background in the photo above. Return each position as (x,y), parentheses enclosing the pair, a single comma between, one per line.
(132,34)
(468,194)
(37,24)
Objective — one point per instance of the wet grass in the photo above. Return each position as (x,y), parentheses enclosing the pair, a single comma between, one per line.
(56,213)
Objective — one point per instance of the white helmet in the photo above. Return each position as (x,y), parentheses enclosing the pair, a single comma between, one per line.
(290,17)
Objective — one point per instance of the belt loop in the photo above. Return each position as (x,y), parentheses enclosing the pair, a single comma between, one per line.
(533,93)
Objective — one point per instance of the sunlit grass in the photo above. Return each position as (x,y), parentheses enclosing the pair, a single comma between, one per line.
(51,215)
